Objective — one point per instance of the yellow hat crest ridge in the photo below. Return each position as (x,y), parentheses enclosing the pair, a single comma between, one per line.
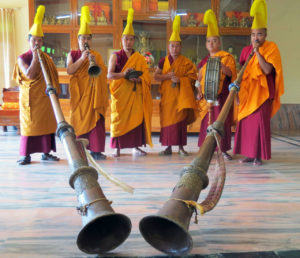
(36,28)
(129,28)
(176,29)
(212,25)
(85,19)
(259,12)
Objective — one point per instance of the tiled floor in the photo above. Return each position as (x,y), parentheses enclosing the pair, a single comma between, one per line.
(259,210)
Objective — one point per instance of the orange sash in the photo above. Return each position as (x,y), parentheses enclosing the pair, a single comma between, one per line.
(254,86)
(88,96)
(36,113)
(130,108)
(178,104)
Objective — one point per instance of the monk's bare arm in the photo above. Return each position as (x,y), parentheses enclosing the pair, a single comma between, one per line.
(111,69)
(158,76)
(73,67)
(226,70)
(264,65)
(32,70)
(200,74)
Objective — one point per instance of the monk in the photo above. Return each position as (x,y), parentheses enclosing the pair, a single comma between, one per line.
(259,97)
(178,105)
(88,95)
(131,101)
(228,75)
(37,120)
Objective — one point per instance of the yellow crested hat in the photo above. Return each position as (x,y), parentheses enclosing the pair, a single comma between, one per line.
(36,28)
(176,29)
(129,28)
(85,19)
(212,24)
(259,12)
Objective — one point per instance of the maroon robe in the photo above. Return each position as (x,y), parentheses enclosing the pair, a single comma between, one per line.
(136,137)
(97,135)
(253,133)
(33,144)
(226,140)
(176,134)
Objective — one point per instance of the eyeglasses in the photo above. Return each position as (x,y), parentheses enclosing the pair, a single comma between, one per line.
(85,38)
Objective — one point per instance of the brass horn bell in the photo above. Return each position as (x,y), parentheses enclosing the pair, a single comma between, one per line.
(103,229)
(94,69)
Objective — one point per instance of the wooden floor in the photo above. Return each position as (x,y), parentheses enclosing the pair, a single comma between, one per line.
(258,214)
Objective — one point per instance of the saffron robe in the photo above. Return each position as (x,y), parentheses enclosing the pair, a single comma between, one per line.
(228,60)
(130,109)
(254,86)
(36,113)
(178,104)
(259,101)
(88,96)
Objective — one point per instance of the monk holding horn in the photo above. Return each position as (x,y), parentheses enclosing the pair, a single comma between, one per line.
(261,88)
(38,124)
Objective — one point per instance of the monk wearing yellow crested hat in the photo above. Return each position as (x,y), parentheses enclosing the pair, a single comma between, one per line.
(227,75)
(38,124)
(131,101)
(88,91)
(261,88)
(178,105)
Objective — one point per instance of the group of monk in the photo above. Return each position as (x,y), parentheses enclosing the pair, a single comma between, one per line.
(131,101)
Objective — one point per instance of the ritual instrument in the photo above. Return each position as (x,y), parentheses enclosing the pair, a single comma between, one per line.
(212,83)
(103,229)
(167,231)
(94,69)
(133,74)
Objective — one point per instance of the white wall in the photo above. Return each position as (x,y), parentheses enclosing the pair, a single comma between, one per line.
(22,22)
(283,29)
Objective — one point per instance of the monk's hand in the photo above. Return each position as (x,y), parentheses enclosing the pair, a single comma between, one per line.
(255,46)
(127,71)
(175,79)
(84,54)
(35,53)
(226,70)
(170,75)
(199,95)
(255,50)
(135,79)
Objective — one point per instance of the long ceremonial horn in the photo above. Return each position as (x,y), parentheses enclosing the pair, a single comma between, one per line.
(167,231)
(103,229)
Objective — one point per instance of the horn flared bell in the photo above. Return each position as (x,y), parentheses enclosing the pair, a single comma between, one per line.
(166,235)
(94,70)
(104,233)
